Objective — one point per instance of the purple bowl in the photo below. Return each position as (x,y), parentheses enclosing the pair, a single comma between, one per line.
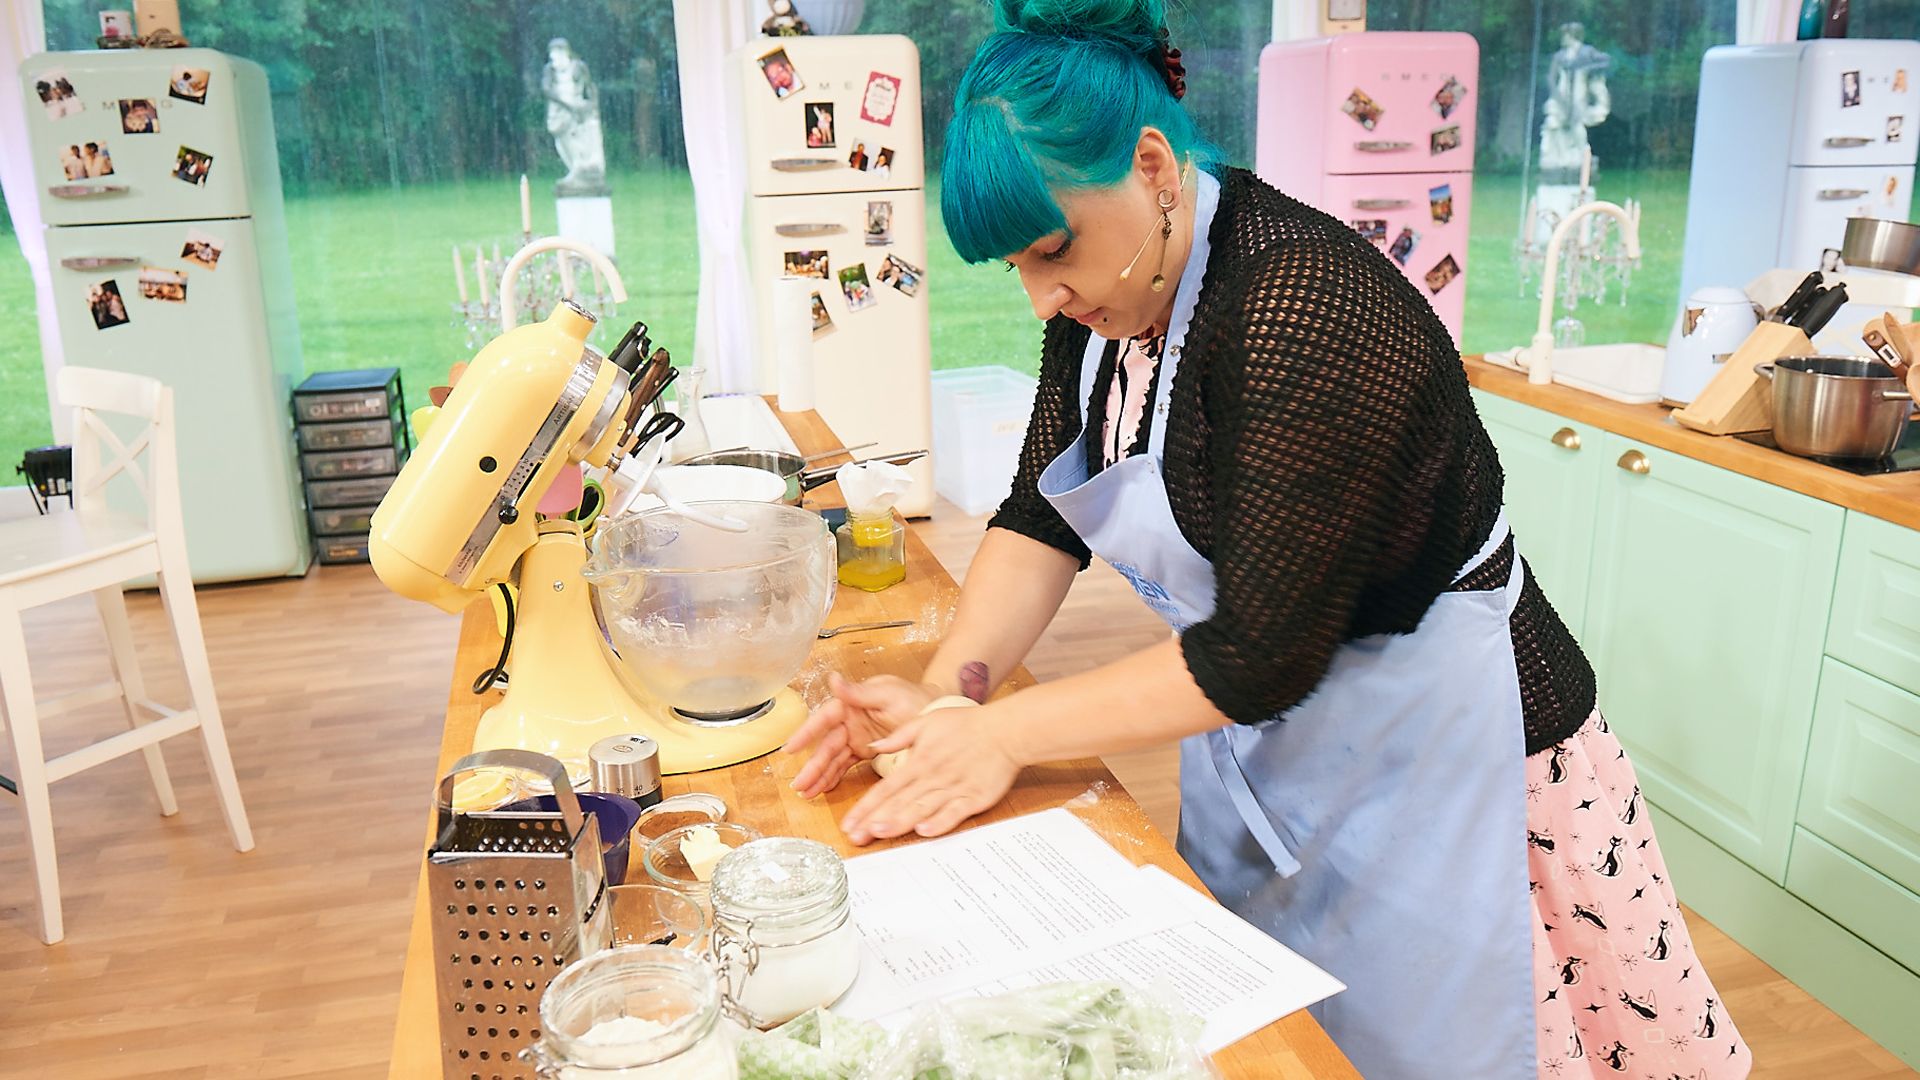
(617,815)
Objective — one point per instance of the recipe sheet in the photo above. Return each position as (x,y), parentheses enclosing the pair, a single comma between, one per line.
(1042,898)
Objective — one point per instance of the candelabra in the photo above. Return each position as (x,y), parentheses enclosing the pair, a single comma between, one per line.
(555,270)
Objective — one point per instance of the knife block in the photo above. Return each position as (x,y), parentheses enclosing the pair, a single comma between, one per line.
(1739,399)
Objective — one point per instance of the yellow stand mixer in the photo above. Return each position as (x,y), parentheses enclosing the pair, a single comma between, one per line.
(460,519)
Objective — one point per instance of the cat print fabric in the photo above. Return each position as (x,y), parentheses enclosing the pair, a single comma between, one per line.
(1619,992)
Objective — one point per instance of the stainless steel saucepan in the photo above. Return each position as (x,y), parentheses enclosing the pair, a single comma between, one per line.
(792,467)
(1837,406)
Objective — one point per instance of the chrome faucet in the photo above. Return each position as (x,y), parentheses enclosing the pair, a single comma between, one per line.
(1537,358)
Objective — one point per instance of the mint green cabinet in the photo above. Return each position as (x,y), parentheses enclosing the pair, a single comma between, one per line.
(1876,601)
(1553,467)
(1862,788)
(1706,614)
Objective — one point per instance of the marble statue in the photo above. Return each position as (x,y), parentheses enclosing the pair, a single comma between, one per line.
(573,119)
(1577,99)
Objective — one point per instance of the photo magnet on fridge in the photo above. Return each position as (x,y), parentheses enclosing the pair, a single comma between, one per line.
(879,223)
(192,166)
(882,162)
(881,98)
(1374,229)
(780,74)
(1849,89)
(189,84)
(108,308)
(202,249)
(83,161)
(858,290)
(116,24)
(1896,127)
(56,94)
(1448,97)
(1363,109)
(858,159)
(1403,245)
(822,321)
(811,264)
(901,274)
(819,119)
(1900,80)
(1443,140)
(158,283)
(138,116)
(1440,202)
(1442,274)
(1830,261)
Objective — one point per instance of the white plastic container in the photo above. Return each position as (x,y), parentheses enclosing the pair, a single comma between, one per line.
(979,423)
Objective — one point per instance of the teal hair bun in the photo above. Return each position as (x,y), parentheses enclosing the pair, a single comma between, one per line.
(1134,25)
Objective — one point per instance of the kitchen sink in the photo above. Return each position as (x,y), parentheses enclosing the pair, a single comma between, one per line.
(1629,372)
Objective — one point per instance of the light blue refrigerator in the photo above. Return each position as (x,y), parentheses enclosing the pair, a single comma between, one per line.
(160,187)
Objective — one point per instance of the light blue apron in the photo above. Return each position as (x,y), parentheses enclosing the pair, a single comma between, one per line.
(1379,829)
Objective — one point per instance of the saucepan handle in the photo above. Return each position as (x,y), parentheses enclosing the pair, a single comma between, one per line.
(1896,395)
(1764,369)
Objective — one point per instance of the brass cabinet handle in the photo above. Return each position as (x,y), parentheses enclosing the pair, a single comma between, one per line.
(1567,439)
(1636,463)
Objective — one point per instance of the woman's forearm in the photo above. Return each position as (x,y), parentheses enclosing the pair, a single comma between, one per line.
(1014,588)
(1146,699)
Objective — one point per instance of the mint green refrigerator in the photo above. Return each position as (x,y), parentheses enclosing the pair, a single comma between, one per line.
(166,237)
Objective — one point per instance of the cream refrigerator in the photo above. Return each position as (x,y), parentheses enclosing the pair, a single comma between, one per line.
(1376,128)
(159,184)
(831,142)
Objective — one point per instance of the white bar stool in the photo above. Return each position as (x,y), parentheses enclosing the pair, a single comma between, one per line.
(94,550)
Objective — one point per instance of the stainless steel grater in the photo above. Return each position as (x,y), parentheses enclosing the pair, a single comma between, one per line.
(515,896)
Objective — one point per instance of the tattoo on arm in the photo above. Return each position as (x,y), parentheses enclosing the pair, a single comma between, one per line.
(973,680)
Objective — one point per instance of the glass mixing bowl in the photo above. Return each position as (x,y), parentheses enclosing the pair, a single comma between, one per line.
(712,622)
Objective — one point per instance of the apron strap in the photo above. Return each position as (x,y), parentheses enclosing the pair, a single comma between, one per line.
(1234,780)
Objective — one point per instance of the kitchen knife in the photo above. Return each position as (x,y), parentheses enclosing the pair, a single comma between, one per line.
(1798,298)
(1820,310)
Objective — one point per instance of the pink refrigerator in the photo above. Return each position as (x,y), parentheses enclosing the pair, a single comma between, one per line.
(1376,128)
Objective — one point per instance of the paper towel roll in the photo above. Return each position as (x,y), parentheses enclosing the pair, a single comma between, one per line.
(793,342)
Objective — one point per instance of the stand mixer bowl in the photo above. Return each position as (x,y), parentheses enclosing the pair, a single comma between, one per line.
(713,623)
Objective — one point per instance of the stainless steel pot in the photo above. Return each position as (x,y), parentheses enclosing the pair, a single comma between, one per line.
(1879,244)
(792,467)
(1837,406)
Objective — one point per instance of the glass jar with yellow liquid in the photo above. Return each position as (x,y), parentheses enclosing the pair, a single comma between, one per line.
(873,551)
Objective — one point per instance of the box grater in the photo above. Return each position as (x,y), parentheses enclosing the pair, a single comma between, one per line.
(515,896)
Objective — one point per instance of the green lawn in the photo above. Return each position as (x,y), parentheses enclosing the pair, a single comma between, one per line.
(373,281)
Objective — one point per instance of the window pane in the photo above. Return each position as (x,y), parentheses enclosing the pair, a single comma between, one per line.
(1640,129)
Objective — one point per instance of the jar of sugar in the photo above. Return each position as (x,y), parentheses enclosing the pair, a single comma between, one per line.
(782,927)
(638,1012)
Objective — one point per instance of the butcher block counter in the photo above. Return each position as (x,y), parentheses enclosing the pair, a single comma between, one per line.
(1893,498)
(757,792)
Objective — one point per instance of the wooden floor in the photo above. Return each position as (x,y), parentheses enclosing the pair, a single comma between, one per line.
(185,959)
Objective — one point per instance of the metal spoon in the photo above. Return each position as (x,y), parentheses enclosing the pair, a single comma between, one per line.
(836,631)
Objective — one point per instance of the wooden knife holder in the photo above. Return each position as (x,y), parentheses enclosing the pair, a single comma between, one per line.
(1738,399)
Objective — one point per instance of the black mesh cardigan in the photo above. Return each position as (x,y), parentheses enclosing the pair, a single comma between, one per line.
(1323,452)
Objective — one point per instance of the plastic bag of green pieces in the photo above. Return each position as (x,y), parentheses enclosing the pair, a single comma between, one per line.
(815,1045)
(1063,1031)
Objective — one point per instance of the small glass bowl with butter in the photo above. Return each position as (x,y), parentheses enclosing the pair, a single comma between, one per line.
(684,858)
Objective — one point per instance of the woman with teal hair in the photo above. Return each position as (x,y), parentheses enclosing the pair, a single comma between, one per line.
(1390,753)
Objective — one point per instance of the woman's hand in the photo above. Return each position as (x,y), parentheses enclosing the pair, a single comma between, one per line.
(842,731)
(960,765)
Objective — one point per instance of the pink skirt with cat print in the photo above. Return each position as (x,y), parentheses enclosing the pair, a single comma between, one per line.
(1618,988)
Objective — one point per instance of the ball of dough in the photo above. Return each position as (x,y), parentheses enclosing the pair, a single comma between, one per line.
(886,764)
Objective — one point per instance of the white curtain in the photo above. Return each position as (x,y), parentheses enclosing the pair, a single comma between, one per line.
(705,31)
(23,32)
(1763,22)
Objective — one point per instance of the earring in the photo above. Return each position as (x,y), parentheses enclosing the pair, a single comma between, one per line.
(1159,282)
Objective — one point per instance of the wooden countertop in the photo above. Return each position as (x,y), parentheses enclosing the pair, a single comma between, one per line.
(758,794)
(1894,498)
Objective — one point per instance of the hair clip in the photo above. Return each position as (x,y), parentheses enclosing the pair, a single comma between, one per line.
(1167,59)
